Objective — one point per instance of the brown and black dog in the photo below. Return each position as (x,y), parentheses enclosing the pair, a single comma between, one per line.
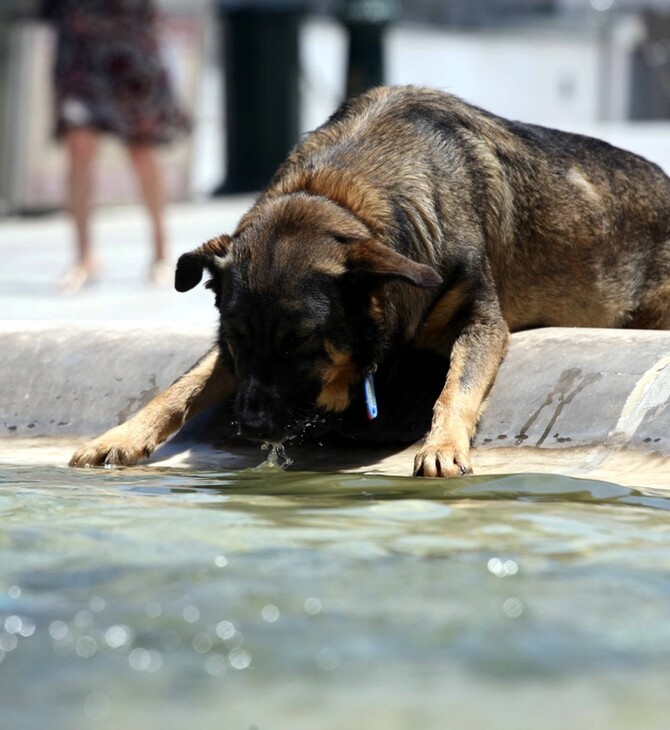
(412,222)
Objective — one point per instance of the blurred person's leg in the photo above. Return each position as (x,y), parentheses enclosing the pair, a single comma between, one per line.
(145,161)
(81,144)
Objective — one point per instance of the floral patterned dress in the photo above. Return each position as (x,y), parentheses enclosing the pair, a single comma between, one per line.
(109,74)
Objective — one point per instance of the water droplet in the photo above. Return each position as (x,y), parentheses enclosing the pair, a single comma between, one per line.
(202,643)
(58,630)
(8,642)
(239,659)
(502,568)
(513,608)
(495,566)
(510,567)
(191,614)
(118,636)
(145,660)
(28,628)
(225,630)
(312,606)
(14,592)
(85,647)
(270,613)
(602,5)
(83,619)
(139,659)
(220,561)
(13,624)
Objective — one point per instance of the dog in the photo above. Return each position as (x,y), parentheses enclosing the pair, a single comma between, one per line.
(411,223)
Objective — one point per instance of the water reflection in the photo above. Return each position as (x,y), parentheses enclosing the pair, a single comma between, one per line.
(330,487)
(277,598)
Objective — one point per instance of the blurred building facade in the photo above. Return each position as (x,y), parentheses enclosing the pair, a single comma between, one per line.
(568,63)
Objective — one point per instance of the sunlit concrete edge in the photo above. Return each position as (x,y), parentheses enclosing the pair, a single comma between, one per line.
(579,402)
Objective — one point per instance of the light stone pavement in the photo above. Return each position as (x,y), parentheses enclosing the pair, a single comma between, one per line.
(35,253)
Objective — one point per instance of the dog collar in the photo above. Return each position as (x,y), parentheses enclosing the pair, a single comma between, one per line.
(370,395)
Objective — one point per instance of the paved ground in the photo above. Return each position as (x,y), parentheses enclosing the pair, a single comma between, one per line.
(35,252)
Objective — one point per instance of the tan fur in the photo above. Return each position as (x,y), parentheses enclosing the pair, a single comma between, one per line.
(364,201)
(206,383)
(376,309)
(432,332)
(446,451)
(337,377)
(217,246)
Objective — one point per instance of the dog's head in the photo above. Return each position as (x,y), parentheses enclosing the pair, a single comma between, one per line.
(298,289)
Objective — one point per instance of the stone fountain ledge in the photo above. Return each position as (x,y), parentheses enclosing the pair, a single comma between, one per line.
(579,402)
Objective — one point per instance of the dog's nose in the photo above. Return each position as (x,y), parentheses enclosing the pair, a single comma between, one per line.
(254,412)
(255,426)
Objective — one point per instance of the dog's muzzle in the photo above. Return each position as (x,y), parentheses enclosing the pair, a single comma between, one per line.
(258,412)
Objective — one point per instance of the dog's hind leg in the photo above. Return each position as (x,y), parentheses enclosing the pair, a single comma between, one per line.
(474,360)
(654,309)
(207,382)
(655,315)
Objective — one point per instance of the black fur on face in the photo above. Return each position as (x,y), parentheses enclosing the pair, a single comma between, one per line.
(300,322)
(287,342)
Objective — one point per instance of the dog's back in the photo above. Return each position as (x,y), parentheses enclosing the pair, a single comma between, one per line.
(576,231)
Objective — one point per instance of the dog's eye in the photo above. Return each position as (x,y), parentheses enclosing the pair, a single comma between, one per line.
(295,342)
(236,337)
(301,340)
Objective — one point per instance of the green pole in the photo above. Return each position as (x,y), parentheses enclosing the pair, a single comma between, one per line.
(366,22)
(262,72)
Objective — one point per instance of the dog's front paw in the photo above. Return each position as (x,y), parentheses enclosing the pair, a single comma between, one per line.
(446,459)
(118,446)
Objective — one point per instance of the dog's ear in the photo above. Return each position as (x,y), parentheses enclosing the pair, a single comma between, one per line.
(372,257)
(190,265)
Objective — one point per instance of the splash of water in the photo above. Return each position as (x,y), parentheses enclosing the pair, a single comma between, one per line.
(277,458)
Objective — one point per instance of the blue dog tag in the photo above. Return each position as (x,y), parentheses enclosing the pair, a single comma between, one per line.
(370,397)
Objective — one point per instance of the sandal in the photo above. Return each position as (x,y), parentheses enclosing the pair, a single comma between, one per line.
(75,280)
(161,274)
